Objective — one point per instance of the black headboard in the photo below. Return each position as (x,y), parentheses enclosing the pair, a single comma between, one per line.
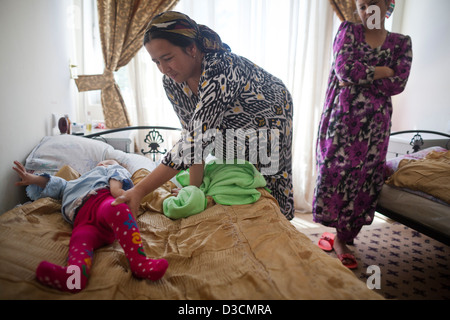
(153,138)
(417,141)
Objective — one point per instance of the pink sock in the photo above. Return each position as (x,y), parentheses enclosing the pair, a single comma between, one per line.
(72,278)
(126,231)
(62,278)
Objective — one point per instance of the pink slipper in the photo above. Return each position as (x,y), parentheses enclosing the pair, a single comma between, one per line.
(326,241)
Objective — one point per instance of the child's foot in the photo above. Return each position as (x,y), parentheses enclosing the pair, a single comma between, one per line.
(148,268)
(62,278)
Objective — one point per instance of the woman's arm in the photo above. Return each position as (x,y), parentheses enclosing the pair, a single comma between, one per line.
(379,73)
(154,180)
(196,174)
(383,72)
(349,69)
(396,84)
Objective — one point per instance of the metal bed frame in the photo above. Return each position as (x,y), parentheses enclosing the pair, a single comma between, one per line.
(416,143)
(153,139)
(417,140)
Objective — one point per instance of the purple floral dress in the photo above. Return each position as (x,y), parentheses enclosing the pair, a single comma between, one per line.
(354,129)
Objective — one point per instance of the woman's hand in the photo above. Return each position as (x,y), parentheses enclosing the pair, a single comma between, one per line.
(115,186)
(155,179)
(345,84)
(380,73)
(383,72)
(175,191)
(131,198)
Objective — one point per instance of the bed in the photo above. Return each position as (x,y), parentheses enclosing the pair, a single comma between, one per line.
(237,252)
(417,188)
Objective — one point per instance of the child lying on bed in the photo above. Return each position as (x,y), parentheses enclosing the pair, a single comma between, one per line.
(86,203)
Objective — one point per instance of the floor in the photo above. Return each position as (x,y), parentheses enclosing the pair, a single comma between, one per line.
(412,266)
(304,221)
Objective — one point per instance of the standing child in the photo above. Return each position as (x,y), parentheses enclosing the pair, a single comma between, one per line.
(371,65)
(86,203)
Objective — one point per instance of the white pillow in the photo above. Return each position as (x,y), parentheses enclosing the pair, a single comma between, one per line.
(131,161)
(53,152)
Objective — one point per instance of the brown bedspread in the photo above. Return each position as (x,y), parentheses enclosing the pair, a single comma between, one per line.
(430,175)
(225,252)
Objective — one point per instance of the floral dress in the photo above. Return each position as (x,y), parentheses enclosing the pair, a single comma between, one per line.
(240,112)
(354,129)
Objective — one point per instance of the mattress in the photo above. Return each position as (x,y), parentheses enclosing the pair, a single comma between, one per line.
(431,214)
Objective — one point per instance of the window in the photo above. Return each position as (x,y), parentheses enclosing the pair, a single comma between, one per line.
(89,57)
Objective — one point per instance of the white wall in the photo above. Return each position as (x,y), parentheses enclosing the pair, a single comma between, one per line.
(425,103)
(34,81)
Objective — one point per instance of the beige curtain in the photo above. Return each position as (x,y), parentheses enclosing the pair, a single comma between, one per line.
(122,26)
(345,10)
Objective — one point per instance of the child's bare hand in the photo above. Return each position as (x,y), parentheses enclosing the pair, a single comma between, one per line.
(26,178)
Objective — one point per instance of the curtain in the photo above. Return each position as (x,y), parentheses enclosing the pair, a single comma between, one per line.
(122,25)
(309,65)
(345,10)
(289,38)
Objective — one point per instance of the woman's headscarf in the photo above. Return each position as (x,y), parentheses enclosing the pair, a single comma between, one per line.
(390,9)
(181,24)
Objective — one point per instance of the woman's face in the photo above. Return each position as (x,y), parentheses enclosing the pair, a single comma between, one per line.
(173,61)
(362,7)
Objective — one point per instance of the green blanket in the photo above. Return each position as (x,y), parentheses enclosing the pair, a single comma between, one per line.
(228,184)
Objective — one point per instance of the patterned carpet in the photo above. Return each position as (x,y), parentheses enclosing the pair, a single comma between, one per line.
(412,266)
